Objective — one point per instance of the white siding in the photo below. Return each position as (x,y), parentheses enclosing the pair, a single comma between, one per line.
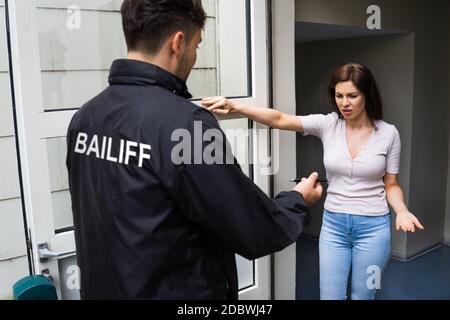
(83,4)
(92,47)
(72,75)
(206,55)
(71,89)
(9,182)
(6,123)
(202,82)
(11,230)
(6,118)
(10,272)
(210,7)
(3,47)
(13,261)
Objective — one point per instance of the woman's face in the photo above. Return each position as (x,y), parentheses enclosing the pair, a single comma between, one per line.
(350,101)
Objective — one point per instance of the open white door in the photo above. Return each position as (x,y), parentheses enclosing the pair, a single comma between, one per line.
(61,51)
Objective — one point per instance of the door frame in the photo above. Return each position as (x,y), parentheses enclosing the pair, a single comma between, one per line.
(33,126)
(284,99)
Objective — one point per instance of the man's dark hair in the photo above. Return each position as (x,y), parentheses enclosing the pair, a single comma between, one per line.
(364,80)
(148,23)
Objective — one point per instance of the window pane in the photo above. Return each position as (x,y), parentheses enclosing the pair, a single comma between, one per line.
(79,39)
(222,64)
(59,183)
(238,134)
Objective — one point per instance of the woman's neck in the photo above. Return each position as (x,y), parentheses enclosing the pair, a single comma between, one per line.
(359,123)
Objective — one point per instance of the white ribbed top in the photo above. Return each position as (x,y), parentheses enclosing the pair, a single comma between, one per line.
(356,185)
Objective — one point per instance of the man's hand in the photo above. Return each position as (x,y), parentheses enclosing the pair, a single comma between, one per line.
(310,189)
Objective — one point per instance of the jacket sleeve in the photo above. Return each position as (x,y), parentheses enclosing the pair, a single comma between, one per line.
(232,211)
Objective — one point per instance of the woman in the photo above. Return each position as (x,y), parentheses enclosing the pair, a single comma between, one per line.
(361,158)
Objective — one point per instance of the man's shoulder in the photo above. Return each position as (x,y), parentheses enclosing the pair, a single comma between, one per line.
(165,101)
(204,115)
(179,108)
(156,108)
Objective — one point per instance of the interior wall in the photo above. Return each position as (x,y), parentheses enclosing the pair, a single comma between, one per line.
(447,218)
(429,161)
(391,60)
(429,149)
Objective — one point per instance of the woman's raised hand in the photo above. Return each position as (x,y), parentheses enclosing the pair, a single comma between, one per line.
(219,105)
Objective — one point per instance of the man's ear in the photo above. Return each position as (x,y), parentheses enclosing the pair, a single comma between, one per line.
(178,43)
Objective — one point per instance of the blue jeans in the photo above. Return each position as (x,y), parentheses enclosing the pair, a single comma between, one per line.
(361,244)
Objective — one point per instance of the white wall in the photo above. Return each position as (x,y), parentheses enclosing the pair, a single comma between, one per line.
(13,261)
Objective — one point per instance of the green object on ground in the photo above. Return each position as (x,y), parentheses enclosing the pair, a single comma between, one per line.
(34,288)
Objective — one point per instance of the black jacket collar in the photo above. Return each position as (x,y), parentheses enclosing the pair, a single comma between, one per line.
(133,72)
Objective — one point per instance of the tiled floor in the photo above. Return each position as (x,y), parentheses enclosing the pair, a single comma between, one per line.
(426,277)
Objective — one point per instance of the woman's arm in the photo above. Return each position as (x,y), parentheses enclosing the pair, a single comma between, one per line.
(405,220)
(270,117)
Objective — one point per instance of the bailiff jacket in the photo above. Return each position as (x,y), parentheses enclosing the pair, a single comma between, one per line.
(154,216)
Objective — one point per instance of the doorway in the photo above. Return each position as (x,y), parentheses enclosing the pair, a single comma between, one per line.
(320,48)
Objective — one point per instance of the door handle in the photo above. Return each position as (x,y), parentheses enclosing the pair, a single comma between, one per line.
(45,253)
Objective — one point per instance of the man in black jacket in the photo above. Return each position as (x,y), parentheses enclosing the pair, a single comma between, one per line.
(151,221)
